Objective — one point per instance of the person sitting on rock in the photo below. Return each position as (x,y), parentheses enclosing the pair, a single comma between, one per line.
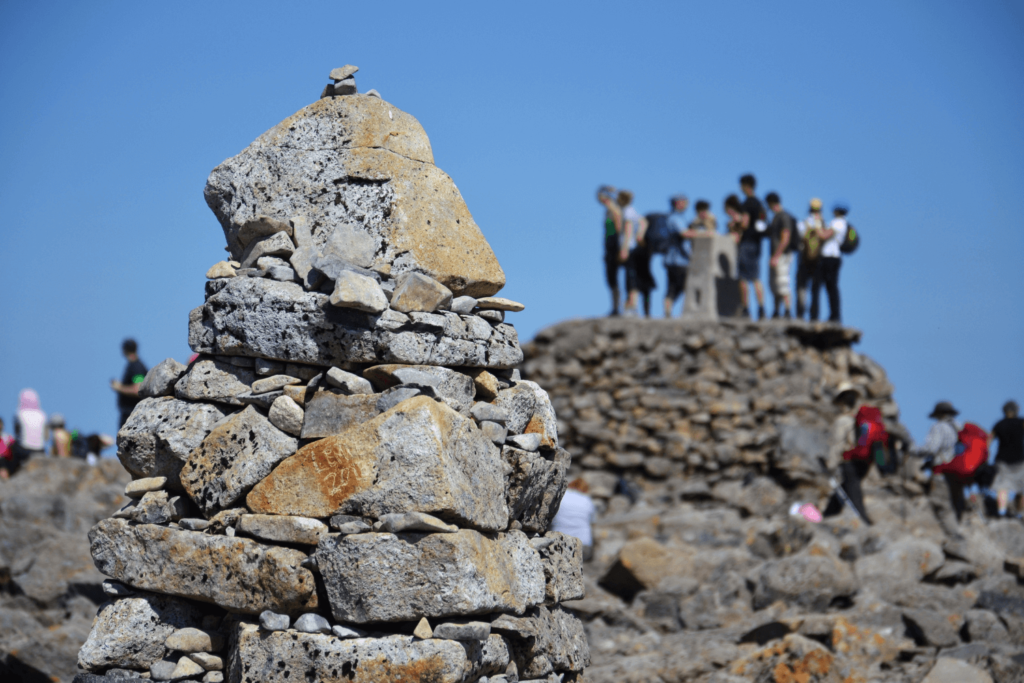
(575,516)
(1009,458)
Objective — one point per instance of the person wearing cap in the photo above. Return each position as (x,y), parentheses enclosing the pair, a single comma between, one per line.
(827,273)
(612,242)
(782,233)
(677,255)
(946,493)
(808,253)
(60,444)
(1009,458)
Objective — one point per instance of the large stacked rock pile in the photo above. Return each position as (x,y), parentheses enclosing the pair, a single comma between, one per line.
(697,440)
(350,483)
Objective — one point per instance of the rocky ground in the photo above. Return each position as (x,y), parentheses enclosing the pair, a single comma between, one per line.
(49,588)
(695,441)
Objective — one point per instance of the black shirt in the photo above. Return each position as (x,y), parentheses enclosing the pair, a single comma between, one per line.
(783,220)
(1010,432)
(134,373)
(752,207)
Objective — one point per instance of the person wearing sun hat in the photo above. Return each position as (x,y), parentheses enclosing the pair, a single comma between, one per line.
(809,230)
(946,493)
(843,438)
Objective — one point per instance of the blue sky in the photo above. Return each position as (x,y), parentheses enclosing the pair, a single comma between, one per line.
(114,113)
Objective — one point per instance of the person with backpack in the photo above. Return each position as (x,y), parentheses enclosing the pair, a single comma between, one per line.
(612,242)
(946,493)
(635,254)
(827,273)
(1009,458)
(782,233)
(808,254)
(867,443)
(751,231)
(677,252)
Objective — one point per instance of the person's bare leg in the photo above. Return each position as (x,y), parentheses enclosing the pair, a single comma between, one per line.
(668,307)
(744,295)
(759,292)
(1002,497)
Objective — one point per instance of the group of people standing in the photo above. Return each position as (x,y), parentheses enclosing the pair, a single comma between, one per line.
(816,244)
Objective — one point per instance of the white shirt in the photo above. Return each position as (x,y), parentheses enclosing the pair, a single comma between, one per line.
(574,516)
(831,246)
(633,216)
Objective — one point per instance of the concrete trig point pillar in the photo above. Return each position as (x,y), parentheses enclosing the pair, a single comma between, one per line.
(712,287)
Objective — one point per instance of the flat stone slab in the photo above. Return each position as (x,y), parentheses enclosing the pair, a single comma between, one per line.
(247,316)
(236,455)
(431,575)
(329,413)
(453,387)
(287,657)
(283,528)
(420,456)
(237,574)
(214,380)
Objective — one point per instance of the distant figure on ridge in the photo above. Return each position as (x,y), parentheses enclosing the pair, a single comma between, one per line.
(634,254)
(575,516)
(677,255)
(1010,456)
(60,445)
(749,251)
(782,233)
(6,452)
(827,273)
(613,259)
(30,430)
(809,253)
(128,388)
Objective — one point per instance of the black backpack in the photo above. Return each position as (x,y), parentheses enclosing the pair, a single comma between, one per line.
(851,241)
(658,237)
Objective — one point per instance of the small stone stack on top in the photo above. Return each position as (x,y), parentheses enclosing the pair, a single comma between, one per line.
(350,482)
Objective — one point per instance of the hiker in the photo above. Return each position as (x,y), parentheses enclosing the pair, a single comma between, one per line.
(1009,459)
(575,516)
(612,242)
(749,250)
(945,494)
(30,430)
(638,261)
(677,254)
(827,272)
(856,433)
(782,233)
(809,251)
(134,375)
(60,445)
(6,452)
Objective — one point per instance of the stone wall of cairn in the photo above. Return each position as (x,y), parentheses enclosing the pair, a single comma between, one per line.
(350,482)
(658,400)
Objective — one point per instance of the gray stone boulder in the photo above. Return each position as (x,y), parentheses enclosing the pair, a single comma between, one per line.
(562,559)
(429,575)
(160,380)
(237,574)
(129,633)
(237,454)
(811,581)
(214,380)
(544,641)
(452,387)
(536,485)
(329,413)
(161,433)
(417,292)
(420,456)
(902,560)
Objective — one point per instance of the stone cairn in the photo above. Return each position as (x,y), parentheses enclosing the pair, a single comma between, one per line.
(349,483)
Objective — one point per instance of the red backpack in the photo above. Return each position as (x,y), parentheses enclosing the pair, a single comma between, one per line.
(970,453)
(871,434)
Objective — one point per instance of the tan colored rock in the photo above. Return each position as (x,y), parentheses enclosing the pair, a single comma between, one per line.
(186,668)
(140,487)
(486,385)
(286,415)
(497,303)
(343,72)
(423,630)
(189,640)
(420,456)
(236,573)
(262,226)
(418,292)
(220,269)
(208,661)
(283,528)
(376,161)
(642,564)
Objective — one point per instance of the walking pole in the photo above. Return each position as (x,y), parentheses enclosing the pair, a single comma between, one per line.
(837,487)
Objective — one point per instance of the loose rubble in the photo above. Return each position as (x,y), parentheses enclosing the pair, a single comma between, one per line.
(318,482)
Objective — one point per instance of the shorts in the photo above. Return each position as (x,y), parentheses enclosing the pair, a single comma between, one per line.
(611,260)
(780,274)
(749,260)
(676,281)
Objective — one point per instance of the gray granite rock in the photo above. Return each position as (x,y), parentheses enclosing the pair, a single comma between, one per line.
(339,631)
(493,317)
(463,305)
(468,631)
(160,380)
(278,244)
(494,432)
(418,292)
(312,623)
(328,413)
(415,521)
(261,227)
(347,382)
(267,368)
(273,383)
(286,415)
(482,410)
(352,290)
(343,72)
(140,487)
(130,632)
(283,528)
(432,575)
(191,639)
(389,398)
(241,451)
(214,380)
(282,321)
(209,662)
(526,442)
(535,486)
(452,387)
(346,86)
(159,435)
(236,573)
(289,657)
(272,621)
(562,558)
(163,670)
(545,640)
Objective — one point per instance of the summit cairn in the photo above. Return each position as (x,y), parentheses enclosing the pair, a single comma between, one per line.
(350,482)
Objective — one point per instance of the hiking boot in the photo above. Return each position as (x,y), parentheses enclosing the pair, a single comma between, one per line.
(760,313)
(745,313)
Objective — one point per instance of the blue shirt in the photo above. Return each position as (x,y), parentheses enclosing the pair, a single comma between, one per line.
(678,253)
